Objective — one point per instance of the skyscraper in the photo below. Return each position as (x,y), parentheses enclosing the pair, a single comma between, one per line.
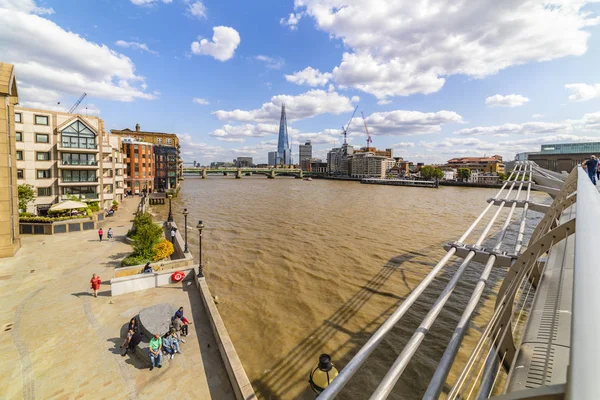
(272,158)
(283,146)
(304,155)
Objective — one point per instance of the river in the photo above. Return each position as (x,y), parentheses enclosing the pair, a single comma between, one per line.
(303,268)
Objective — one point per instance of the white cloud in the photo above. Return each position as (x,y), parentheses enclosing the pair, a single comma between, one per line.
(511,100)
(135,45)
(537,116)
(49,58)
(26,6)
(583,92)
(309,76)
(292,20)
(404,145)
(201,101)
(401,47)
(222,47)
(149,2)
(240,132)
(271,62)
(528,128)
(197,9)
(305,105)
(403,122)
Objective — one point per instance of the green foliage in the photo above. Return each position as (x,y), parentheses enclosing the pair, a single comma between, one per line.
(94,206)
(430,172)
(501,176)
(135,260)
(146,237)
(26,214)
(26,195)
(464,173)
(115,203)
(50,219)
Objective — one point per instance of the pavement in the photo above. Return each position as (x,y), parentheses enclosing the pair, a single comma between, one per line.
(59,342)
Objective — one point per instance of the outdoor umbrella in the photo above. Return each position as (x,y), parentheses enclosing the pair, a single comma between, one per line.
(68,205)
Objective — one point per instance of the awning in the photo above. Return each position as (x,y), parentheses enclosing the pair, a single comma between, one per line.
(68,205)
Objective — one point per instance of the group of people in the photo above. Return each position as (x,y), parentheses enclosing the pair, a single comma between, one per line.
(168,344)
(109,234)
(593,168)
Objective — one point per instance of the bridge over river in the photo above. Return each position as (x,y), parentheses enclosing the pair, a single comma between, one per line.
(543,339)
(239,172)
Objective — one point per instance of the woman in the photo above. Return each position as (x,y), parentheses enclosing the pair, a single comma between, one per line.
(100,233)
(171,344)
(179,315)
(133,325)
(147,269)
(95,281)
(109,234)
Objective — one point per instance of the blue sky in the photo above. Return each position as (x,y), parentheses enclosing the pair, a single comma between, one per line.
(434,79)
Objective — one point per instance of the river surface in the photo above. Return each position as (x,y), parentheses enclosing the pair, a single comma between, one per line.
(303,268)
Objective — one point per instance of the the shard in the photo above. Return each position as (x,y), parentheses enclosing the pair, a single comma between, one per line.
(284,153)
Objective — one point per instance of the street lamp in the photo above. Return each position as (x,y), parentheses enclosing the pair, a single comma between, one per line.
(200,226)
(170,217)
(323,374)
(185,214)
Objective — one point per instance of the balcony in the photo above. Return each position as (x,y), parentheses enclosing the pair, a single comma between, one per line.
(106,149)
(81,196)
(108,180)
(81,148)
(78,164)
(108,196)
(70,182)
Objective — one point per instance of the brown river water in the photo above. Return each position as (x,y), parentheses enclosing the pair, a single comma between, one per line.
(303,268)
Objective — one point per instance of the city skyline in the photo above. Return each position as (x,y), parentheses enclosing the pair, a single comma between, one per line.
(201,70)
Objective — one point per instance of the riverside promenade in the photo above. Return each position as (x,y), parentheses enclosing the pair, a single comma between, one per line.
(59,342)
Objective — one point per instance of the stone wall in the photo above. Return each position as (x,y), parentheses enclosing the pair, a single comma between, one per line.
(137,282)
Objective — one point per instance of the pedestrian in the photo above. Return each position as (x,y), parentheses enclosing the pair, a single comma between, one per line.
(100,233)
(173,235)
(95,281)
(179,315)
(598,172)
(155,351)
(109,234)
(177,326)
(131,341)
(592,167)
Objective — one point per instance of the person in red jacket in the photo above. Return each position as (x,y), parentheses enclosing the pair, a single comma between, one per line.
(100,233)
(95,281)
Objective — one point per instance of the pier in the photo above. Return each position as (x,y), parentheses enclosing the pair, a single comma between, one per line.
(400,182)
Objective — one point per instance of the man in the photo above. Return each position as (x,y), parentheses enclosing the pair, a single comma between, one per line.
(177,325)
(172,235)
(155,351)
(592,166)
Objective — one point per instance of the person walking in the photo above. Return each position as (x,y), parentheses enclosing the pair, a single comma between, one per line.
(100,233)
(592,168)
(155,351)
(598,172)
(109,234)
(95,282)
(173,235)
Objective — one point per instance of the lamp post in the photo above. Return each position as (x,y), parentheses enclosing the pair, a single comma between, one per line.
(323,374)
(170,217)
(200,226)
(185,214)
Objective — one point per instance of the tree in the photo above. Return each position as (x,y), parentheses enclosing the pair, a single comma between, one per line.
(26,195)
(429,172)
(146,237)
(464,173)
(501,176)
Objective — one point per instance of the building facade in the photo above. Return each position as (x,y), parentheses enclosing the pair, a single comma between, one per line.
(272,161)
(339,160)
(284,153)
(243,162)
(156,139)
(305,155)
(490,165)
(139,165)
(10,240)
(166,170)
(369,165)
(64,155)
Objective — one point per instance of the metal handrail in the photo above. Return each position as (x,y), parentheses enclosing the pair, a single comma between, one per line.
(583,378)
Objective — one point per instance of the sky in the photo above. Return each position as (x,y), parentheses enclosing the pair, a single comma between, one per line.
(435,79)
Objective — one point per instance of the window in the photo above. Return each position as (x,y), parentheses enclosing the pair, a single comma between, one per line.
(78,159)
(43,173)
(41,138)
(41,120)
(44,192)
(17,117)
(159,140)
(19,154)
(20,174)
(42,155)
(78,136)
(169,141)
(19,136)
(79,176)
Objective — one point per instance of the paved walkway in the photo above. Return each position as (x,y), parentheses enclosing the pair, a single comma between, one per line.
(59,342)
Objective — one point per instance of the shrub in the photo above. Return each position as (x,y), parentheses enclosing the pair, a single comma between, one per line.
(50,219)
(134,260)
(115,203)
(146,236)
(163,249)
(26,214)
(94,206)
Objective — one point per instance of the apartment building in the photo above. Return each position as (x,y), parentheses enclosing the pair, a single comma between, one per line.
(369,165)
(305,155)
(489,165)
(63,155)
(159,139)
(139,164)
(10,240)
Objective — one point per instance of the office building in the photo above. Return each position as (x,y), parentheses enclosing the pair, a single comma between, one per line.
(339,160)
(243,162)
(284,153)
(157,139)
(10,240)
(388,153)
(489,165)
(139,164)
(272,158)
(319,166)
(64,155)
(564,156)
(305,155)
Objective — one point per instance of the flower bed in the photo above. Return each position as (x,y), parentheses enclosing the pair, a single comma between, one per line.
(49,220)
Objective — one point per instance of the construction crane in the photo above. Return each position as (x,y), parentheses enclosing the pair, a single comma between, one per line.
(77,103)
(345,131)
(369,141)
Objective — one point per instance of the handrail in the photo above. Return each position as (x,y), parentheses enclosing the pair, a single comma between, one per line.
(584,373)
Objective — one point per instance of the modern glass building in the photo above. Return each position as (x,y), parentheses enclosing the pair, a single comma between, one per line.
(571,148)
